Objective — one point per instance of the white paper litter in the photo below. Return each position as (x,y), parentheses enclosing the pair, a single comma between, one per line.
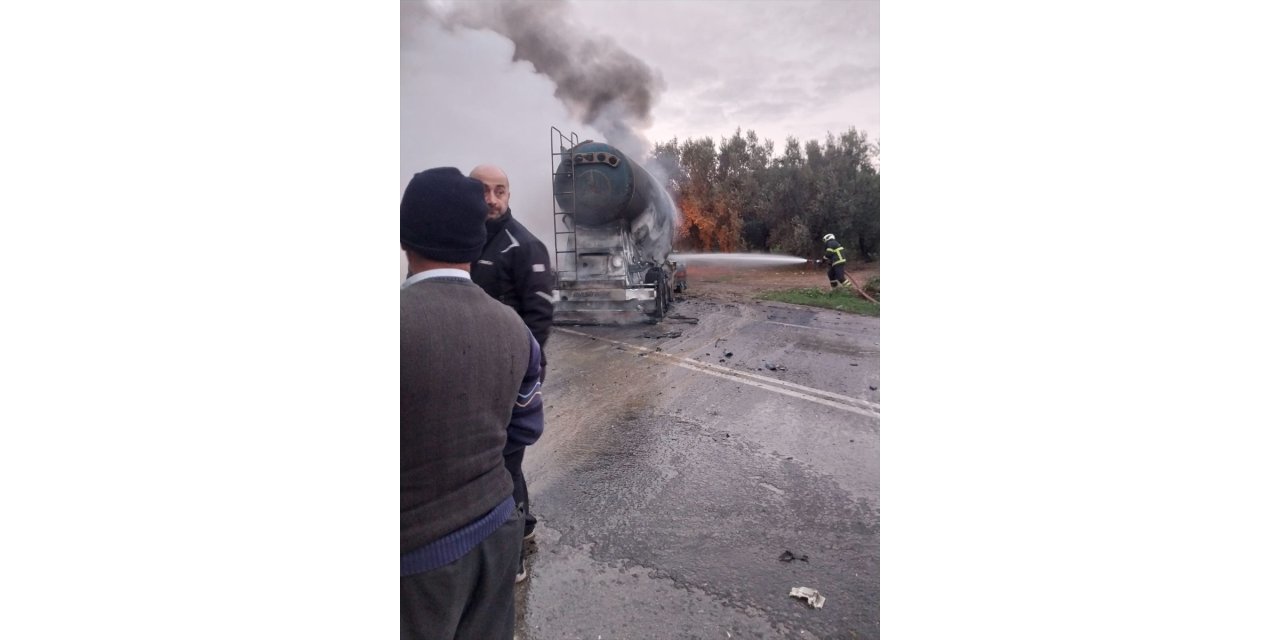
(810,595)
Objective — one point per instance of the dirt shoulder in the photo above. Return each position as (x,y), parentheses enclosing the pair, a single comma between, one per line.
(743,282)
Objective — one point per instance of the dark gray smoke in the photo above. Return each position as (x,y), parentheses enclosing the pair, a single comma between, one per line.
(604,86)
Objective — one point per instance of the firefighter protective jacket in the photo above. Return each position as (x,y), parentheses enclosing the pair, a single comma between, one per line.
(515,269)
(835,253)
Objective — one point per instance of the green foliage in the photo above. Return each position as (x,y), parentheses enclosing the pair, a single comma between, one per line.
(872,287)
(738,196)
(839,299)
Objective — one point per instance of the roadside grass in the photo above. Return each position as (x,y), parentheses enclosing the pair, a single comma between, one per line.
(840,299)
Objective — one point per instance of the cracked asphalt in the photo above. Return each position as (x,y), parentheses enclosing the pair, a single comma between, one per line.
(682,459)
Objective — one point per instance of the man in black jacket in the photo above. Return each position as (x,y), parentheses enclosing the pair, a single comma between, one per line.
(515,269)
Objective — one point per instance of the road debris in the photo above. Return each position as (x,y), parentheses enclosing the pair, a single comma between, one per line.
(676,318)
(809,595)
(787,556)
(668,334)
(773,367)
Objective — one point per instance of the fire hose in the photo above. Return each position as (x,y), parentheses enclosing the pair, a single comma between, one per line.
(853,283)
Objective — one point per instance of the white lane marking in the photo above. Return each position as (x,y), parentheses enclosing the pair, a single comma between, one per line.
(819,396)
(785,392)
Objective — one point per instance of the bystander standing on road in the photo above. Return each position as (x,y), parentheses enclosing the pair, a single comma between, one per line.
(515,269)
(469,389)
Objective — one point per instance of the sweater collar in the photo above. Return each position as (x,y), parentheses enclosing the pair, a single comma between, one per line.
(434,273)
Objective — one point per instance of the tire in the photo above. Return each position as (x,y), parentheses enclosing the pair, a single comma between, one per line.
(659,301)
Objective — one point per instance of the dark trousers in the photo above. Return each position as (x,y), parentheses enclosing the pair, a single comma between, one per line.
(521,493)
(472,597)
(836,274)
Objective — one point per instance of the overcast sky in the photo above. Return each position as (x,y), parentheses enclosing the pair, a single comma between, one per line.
(682,68)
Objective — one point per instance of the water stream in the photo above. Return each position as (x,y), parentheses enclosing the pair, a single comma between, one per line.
(736,259)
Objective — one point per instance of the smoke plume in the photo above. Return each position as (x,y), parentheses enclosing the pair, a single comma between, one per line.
(601,84)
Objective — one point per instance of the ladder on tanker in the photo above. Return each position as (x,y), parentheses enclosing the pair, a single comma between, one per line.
(566,239)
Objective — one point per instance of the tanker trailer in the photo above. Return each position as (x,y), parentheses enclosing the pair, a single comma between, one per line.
(614,226)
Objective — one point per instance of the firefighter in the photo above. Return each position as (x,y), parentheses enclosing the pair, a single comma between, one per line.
(835,257)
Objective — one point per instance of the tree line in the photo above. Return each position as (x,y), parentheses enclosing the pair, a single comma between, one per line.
(737,196)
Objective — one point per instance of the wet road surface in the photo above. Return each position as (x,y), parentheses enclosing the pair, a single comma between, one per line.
(682,459)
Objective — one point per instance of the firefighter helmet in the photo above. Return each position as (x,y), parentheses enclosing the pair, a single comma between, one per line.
(829,236)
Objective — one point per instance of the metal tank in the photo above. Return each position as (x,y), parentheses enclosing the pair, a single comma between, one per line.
(614,229)
(601,187)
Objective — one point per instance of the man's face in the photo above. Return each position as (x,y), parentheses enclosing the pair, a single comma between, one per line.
(496,191)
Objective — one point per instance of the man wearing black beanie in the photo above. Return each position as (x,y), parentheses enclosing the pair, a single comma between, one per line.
(469,389)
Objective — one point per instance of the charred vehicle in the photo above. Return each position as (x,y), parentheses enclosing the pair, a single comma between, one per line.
(614,224)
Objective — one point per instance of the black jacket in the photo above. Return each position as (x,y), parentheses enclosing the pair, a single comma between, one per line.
(515,269)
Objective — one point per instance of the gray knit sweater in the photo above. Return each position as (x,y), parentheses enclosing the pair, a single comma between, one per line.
(463,356)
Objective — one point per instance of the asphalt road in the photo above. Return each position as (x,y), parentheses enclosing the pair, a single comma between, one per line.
(682,459)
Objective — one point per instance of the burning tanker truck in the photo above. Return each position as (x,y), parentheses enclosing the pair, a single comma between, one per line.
(613,227)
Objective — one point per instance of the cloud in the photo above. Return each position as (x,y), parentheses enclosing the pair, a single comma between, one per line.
(849,78)
(766,110)
(779,68)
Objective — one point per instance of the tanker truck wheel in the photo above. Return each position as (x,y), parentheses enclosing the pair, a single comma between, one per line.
(659,301)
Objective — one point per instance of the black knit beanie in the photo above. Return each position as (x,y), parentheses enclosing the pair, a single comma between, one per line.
(442,215)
